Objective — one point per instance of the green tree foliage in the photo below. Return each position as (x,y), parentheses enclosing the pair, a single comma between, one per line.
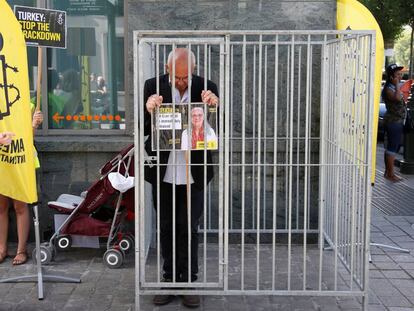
(389,17)
(402,49)
(407,12)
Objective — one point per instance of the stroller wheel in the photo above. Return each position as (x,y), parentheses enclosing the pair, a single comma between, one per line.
(113,258)
(126,244)
(64,242)
(45,254)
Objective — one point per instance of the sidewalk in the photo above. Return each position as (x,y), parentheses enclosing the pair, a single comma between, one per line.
(391,272)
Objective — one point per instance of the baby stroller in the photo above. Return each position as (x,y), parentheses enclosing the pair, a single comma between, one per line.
(100,211)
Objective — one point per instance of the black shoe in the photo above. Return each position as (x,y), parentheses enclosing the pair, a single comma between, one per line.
(160,300)
(191,301)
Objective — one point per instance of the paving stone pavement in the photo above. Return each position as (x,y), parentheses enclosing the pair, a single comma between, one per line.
(391,280)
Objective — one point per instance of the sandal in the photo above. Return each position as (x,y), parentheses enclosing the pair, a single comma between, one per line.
(20,258)
(3,256)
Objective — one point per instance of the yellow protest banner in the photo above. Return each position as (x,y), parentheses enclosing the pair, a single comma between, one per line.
(351,14)
(17,166)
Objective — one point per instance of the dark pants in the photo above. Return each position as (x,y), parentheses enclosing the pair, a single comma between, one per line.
(181,229)
(394,136)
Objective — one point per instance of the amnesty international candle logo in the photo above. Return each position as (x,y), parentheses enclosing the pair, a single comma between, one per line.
(42,27)
(6,100)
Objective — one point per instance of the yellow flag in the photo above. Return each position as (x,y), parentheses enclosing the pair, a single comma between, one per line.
(17,167)
(351,14)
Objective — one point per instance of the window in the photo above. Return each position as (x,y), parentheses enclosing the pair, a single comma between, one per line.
(86,80)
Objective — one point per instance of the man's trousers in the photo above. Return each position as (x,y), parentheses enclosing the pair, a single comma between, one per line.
(181,229)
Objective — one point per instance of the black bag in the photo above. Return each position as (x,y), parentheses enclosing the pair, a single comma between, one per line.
(409,121)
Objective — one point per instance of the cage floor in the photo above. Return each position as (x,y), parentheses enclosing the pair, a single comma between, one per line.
(259,272)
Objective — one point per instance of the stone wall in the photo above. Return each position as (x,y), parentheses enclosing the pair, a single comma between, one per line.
(225,15)
(255,15)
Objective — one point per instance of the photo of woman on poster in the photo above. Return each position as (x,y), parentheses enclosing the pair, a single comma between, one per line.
(199,133)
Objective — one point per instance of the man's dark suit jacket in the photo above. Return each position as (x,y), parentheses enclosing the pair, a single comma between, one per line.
(197,157)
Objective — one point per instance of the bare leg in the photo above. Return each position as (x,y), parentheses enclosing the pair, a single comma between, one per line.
(4,226)
(23,226)
(390,175)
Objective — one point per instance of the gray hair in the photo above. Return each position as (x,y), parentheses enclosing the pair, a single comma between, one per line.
(197,108)
(170,56)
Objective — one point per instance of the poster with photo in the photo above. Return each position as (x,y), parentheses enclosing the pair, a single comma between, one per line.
(194,127)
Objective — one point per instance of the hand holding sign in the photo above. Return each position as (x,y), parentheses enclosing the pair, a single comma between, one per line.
(37,119)
(6,138)
(153,102)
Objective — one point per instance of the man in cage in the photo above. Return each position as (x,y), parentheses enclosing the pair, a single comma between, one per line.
(178,73)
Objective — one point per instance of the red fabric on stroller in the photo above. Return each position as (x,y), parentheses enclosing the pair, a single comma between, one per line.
(101,192)
(110,165)
(82,224)
(97,195)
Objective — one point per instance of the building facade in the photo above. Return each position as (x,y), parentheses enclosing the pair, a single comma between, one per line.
(89,107)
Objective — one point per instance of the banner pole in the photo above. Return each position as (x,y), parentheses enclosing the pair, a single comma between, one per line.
(187,174)
(39,76)
(38,253)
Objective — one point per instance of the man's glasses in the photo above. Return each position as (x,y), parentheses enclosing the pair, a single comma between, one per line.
(183,79)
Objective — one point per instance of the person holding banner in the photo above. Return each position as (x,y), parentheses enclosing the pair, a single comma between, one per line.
(21,209)
(17,160)
(179,62)
(5,139)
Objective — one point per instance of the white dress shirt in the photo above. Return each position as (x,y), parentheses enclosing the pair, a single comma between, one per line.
(180,164)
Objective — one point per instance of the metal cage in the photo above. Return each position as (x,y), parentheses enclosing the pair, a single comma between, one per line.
(288,211)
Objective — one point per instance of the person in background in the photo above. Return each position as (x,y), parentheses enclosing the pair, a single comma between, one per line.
(101,85)
(93,84)
(21,209)
(102,94)
(393,119)
(56,103)
(56,100)
(99,97)
(71,94)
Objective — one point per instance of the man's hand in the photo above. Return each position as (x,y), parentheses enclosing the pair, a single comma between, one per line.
(153,102)
(6,138)
(37,119)
(209,98)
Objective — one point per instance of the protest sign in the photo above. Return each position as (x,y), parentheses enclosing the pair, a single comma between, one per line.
(192,126)
(42,27)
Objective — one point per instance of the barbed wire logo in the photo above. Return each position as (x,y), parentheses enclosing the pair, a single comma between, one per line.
(5,87)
